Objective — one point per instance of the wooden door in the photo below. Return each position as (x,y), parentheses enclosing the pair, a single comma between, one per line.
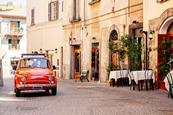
(76,62)
(161,38)
(95,61)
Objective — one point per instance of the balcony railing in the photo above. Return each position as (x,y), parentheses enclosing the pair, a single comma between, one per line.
(72,20)
(17,32)
(13,34)
(93,2)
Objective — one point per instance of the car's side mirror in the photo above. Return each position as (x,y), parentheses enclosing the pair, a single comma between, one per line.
(53,67)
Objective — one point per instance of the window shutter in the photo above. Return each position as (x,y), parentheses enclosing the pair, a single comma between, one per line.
(49,11)
(18,41)
(57,9)
(32,16)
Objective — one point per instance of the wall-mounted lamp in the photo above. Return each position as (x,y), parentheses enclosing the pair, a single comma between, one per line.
(151,33)
(74,39)
(56,50)
(94,38)
(70,40)
(41,50)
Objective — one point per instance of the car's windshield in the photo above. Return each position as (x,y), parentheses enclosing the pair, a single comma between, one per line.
(34,63)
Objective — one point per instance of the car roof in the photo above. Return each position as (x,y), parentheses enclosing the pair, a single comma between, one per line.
(33,55)
(34,58)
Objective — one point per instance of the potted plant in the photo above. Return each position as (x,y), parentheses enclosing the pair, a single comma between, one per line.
(165,56)
(133,51)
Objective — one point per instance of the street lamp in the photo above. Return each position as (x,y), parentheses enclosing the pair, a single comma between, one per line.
(151,34)
(56,50)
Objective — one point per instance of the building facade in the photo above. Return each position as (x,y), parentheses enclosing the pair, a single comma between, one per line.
(12,36)
(158,21)
(45,31)
(75,34)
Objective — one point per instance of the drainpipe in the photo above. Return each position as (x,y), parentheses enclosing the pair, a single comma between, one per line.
(84,13)
(74,9)
(77,9)
(1,73)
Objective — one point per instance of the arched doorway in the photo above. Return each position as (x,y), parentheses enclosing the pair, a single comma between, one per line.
(165,36)
(113,57)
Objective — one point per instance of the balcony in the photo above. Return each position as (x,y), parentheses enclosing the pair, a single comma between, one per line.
(161,1)
(74,19)
(94,2)
(18,33)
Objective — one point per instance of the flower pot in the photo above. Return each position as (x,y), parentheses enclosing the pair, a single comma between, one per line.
(162,85)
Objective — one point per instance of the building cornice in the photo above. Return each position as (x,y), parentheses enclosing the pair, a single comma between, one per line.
(12,16)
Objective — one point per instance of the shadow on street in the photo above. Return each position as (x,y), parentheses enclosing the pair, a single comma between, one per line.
(34,94)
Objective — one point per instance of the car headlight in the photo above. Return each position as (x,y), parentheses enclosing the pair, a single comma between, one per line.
(50,78)
(23,78)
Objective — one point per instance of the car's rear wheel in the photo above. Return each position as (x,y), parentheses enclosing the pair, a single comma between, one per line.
(54,91)
(17,92)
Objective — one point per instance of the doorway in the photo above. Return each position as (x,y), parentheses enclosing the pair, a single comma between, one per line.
(165,36)
(95,61)
(76,61)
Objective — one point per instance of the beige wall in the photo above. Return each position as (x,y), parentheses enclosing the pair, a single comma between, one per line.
(153,10)
(45,35)
(41,12)
(155,15)
(99,21)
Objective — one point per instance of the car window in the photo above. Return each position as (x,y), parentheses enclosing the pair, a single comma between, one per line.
(34,63)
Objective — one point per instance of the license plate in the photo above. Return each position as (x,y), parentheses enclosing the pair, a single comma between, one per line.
(36,87)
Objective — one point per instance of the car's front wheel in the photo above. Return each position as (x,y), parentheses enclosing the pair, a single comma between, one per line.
(54,91)
(17,92)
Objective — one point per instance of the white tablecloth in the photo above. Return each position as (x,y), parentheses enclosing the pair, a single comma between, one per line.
(142,75)
(118,74)
(166,80)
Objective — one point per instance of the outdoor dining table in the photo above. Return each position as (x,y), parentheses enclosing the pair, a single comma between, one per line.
(142,75)
(118,74)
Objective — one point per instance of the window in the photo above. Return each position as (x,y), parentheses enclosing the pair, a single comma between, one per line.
(62,6)
(32,17)
(15,26)
(53,10)
(13,44)
(76,11)
(113,35)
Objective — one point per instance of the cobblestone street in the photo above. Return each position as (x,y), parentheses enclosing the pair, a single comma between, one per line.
(85,99)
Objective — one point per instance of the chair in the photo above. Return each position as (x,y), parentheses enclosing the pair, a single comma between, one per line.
(150,83)
(84,75)
(123,80)
(170,82)
(112,82)
(132,81)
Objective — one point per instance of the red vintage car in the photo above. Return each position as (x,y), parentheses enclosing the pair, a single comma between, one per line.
(34,72)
